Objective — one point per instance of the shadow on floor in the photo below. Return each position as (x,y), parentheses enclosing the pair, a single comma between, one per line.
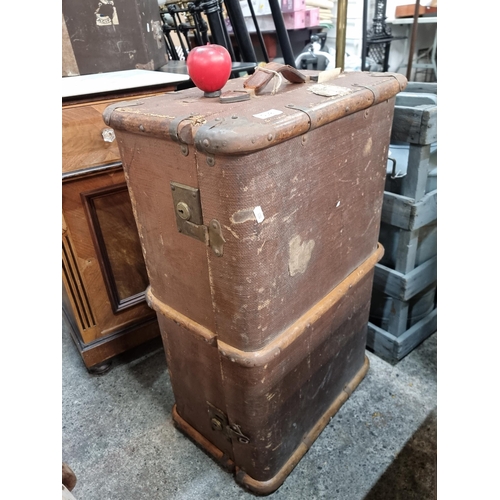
(413,474)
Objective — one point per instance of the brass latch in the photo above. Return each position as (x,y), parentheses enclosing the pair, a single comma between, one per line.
(220,422)
(187,206)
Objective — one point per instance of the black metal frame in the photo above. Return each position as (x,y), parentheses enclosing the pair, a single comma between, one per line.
(377,40)
(185,19)
(192,30)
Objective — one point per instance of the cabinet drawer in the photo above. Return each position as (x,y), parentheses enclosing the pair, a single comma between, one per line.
(83,138)
(86,140)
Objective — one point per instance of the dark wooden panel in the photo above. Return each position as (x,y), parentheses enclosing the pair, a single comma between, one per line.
(117,243)
(85,259)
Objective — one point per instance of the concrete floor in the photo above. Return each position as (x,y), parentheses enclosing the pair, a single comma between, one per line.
(119,439)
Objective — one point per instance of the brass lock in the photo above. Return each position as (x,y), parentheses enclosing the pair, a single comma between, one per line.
(189,218)
(183,210)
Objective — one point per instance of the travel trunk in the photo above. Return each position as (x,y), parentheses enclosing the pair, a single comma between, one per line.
(259,222)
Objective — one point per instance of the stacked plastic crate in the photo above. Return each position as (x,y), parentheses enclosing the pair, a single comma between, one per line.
(404,303)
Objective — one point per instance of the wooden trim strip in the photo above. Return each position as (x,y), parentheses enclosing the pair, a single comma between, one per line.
(175,316)
(201,441)
(275,347)
(89,172)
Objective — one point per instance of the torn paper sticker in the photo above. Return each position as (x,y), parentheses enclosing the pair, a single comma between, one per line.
(106,13)
(268,114)
(329,90)
(259,214)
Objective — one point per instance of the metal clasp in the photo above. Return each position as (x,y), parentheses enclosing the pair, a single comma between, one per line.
(220,422)
(189,218)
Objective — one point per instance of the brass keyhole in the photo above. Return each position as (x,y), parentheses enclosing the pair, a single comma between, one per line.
(216,424)
(183,210)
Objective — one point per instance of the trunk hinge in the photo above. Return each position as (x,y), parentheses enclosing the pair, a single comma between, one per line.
(220,422)
(187,206)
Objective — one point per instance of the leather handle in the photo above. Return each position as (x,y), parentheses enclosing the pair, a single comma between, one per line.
(264,74)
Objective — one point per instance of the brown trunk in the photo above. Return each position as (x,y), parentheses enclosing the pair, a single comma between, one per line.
(259,223)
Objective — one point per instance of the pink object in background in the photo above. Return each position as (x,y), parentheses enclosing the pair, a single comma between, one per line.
(295,20)
(312,16)
(292,5)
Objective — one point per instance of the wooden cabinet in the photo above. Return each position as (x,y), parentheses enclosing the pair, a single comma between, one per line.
(103,271)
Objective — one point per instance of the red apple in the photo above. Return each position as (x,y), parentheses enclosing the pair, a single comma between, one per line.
(209,67)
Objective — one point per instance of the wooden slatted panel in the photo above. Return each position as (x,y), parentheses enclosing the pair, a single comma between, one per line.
(74,286)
